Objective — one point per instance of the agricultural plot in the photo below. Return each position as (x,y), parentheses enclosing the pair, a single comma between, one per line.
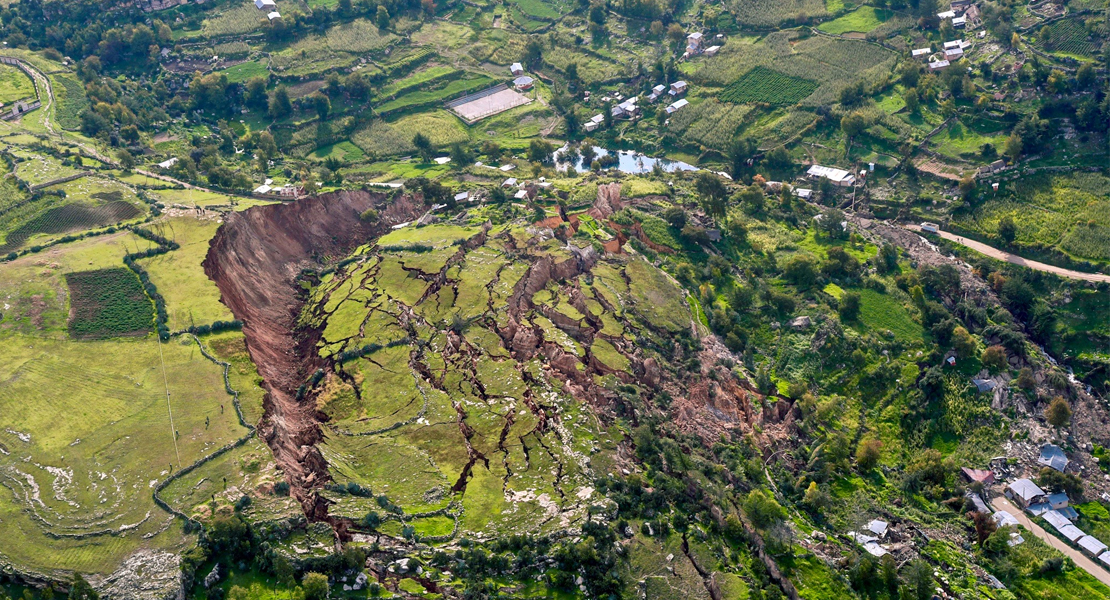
(67,218)
(1070,213)
(1068,37)
(191,297)
(417,79)
(246,70)
(235,19)
(862,20)
(35,169)
(358,36)
(14,85)
(383,138)
(538,9)
(87,436)
(108,303)
(831,62)
(591,69)
(769,87)
(435,94)
(709,123)
(765,13)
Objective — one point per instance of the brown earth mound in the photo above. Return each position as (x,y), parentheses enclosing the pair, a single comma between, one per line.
(255,259)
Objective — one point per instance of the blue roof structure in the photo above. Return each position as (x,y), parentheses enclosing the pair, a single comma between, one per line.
(1053,456)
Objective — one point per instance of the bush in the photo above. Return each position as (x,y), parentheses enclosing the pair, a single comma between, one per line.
(315,586)
(849,306)
(994,359)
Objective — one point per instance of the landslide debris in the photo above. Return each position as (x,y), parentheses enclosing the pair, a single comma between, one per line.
(255,259)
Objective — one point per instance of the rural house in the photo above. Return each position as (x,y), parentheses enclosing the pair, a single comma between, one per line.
(523,83)
(267,5)
(626,109)
(838,177)
(983,477)
(516,69)
(657,92)
(1091,546)
(693,44)
(273,15)
(921,52)
(712,50)
(940,64)
(960,21)
(673,108)
(678,88)
(1024,492)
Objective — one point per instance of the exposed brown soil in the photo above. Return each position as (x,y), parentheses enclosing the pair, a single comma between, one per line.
(255,259)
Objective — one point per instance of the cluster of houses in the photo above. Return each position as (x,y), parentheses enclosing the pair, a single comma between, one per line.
(962,13)
(1053,508)
(629,108)
(953,51)
(695,45)
(269,7)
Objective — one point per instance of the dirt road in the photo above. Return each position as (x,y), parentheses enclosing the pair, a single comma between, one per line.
(1088,565)
(1014,259)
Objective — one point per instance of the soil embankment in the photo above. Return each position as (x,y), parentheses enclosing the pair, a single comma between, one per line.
(255,259)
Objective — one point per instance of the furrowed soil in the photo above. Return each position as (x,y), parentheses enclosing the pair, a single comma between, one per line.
(255,259)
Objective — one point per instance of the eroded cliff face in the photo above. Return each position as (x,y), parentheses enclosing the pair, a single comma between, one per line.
(255,259)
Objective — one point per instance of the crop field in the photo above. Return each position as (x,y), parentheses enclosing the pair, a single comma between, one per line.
(233,20)
(1071,213)
(709,123)
(108,303)
(68,218)
(963,140)
(14,85)
(71,100)
(191,297)
(1069,36)
(447,91)
(767,86)
(345,151)
(417,79)
(861,20)
(765,13)
(358,36)
(90,422)
(591,69)
(833,63)
(391,138)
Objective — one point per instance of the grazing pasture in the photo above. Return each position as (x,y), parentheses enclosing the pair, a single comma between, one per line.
(861,20)
(14,85)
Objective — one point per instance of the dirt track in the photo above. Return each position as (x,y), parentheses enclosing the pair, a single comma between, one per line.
(1016,260)
(1088,565)
(255,259)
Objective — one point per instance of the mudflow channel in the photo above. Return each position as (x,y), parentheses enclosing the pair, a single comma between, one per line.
(255,259)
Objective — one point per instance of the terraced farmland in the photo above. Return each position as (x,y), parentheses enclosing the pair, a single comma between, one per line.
(767,86)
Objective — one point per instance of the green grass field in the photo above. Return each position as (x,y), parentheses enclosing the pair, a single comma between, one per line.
(246,70)
(14,85)
(861,20)
(191,298)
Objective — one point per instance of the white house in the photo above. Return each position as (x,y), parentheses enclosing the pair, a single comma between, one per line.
(626,109)
(838,177)
(590,126)
(510,182)
(673,108)
(273,15)
(677,88)
(516,69)
(921,52)
(266,5)
(940,64)
(263,189)
(1024,492)
(948,14)
(803,193)
(712,50)
(960,21)
(657,92)
(523,83)
(462,196)
(953,44)
(953,53)
(1091,546)
(168,163)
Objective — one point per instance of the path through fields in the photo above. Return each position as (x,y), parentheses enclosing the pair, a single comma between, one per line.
(1015,259)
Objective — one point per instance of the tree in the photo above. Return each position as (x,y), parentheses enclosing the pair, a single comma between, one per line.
(1007,230)
(423,146)
(888,259)
(571,123)
(280,105)
(1013,146)
(849,306)
(1025,379)
(740,153)
(913,101)
(815,498)
(315,586)
(984,524)
(381,18)
(321,105)
(81,590)
(712,194)
(994,359)
(255,97)
(831,224)
(853,124)
(1058,412)
(357,86)
(868,454)
(460,155)
(988,151)
(964,343)
(675,35)
(1085,76)
(762,509)
(541,152)
(675,216)
(919,579)
(126,160)
(801,270)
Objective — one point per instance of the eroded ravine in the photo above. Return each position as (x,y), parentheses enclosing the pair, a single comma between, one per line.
(255,259)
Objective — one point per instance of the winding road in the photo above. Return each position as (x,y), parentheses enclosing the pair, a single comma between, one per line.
(1088,565)
(1002,255)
